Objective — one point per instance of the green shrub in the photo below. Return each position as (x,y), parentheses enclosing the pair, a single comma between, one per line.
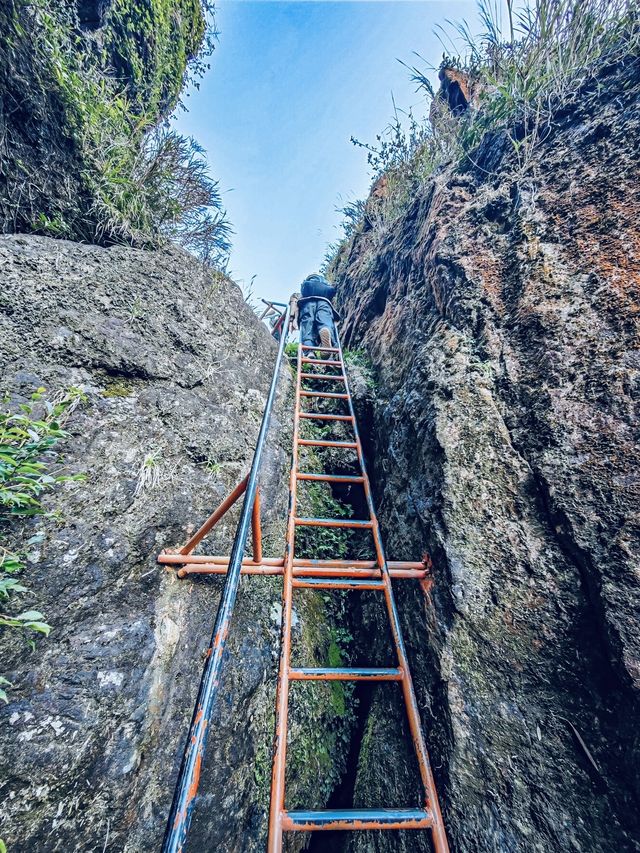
(116,177)
(28,438)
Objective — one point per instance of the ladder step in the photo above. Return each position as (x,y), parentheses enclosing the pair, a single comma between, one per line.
(322,376)
(307,360)
(329,478)
(320,349)
(334,522)
(334,673)
(320,416)
(318,442)
(305,393)
(308,821)
(337,583)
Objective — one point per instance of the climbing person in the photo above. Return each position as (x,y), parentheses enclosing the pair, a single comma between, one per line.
(316,312)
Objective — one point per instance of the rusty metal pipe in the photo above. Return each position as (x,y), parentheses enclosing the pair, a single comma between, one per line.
(215,517)
(256,529)
(354,523)
(195,559)
(319,349)
(330,394)
(319,416)
(319,442)
(189,774)
(306,572)
(307,360)
(276,807)
(324,377)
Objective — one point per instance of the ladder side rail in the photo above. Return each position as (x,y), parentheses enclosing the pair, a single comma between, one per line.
(277,804)
(188,777)
(413,714)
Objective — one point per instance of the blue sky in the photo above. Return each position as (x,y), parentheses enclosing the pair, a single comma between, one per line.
(289,84)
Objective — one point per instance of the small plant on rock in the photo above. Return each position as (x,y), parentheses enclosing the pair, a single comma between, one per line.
(28,438)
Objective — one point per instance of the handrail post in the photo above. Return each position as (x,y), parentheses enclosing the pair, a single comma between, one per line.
(256,529)
(187,783)
(215,517)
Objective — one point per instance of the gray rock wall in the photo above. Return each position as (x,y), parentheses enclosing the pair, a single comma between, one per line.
(175,368)
(500,313)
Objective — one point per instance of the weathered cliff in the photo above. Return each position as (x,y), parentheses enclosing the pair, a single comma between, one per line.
(501,316)
(174,368)
(80,81)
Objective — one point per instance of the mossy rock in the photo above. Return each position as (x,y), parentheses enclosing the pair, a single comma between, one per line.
(80,84)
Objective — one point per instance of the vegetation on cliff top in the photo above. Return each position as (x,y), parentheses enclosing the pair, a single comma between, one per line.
(509,82)
(85,89)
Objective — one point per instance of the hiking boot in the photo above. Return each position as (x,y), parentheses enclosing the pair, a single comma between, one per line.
(325,340)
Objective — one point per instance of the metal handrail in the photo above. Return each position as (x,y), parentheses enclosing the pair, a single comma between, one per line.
(187,783)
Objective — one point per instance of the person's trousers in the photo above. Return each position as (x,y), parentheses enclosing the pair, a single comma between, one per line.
(315,314)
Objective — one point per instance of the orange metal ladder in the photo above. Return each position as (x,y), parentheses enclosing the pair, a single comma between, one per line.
(282,820)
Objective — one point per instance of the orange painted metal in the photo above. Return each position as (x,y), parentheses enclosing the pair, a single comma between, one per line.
(318,361)
(276,808)
(325,574)
(280,820)
(328,478)
(302,571)
(333,522)
(256,529)
(317,442)
(323,377)
(309,571)
(176,558)
(320,349)
(215,517)
(299,674)
(326,394)
(320,416)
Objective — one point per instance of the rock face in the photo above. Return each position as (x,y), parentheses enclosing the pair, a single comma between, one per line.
(501,315)
(175,369)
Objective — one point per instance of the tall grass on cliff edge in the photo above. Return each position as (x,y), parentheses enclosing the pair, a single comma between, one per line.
(530,61)
(159,188)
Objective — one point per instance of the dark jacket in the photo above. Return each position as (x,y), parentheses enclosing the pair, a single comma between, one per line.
(317,286)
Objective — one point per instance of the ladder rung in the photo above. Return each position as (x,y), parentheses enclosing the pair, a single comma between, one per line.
(319,442)
(309,821)
(320,349)
(333,522)
(339,673)
(329,478)
(307,360)
(337,583)
(322,376)
(306,393)
(320,416)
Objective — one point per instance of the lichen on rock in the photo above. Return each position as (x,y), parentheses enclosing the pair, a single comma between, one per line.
(500,315)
